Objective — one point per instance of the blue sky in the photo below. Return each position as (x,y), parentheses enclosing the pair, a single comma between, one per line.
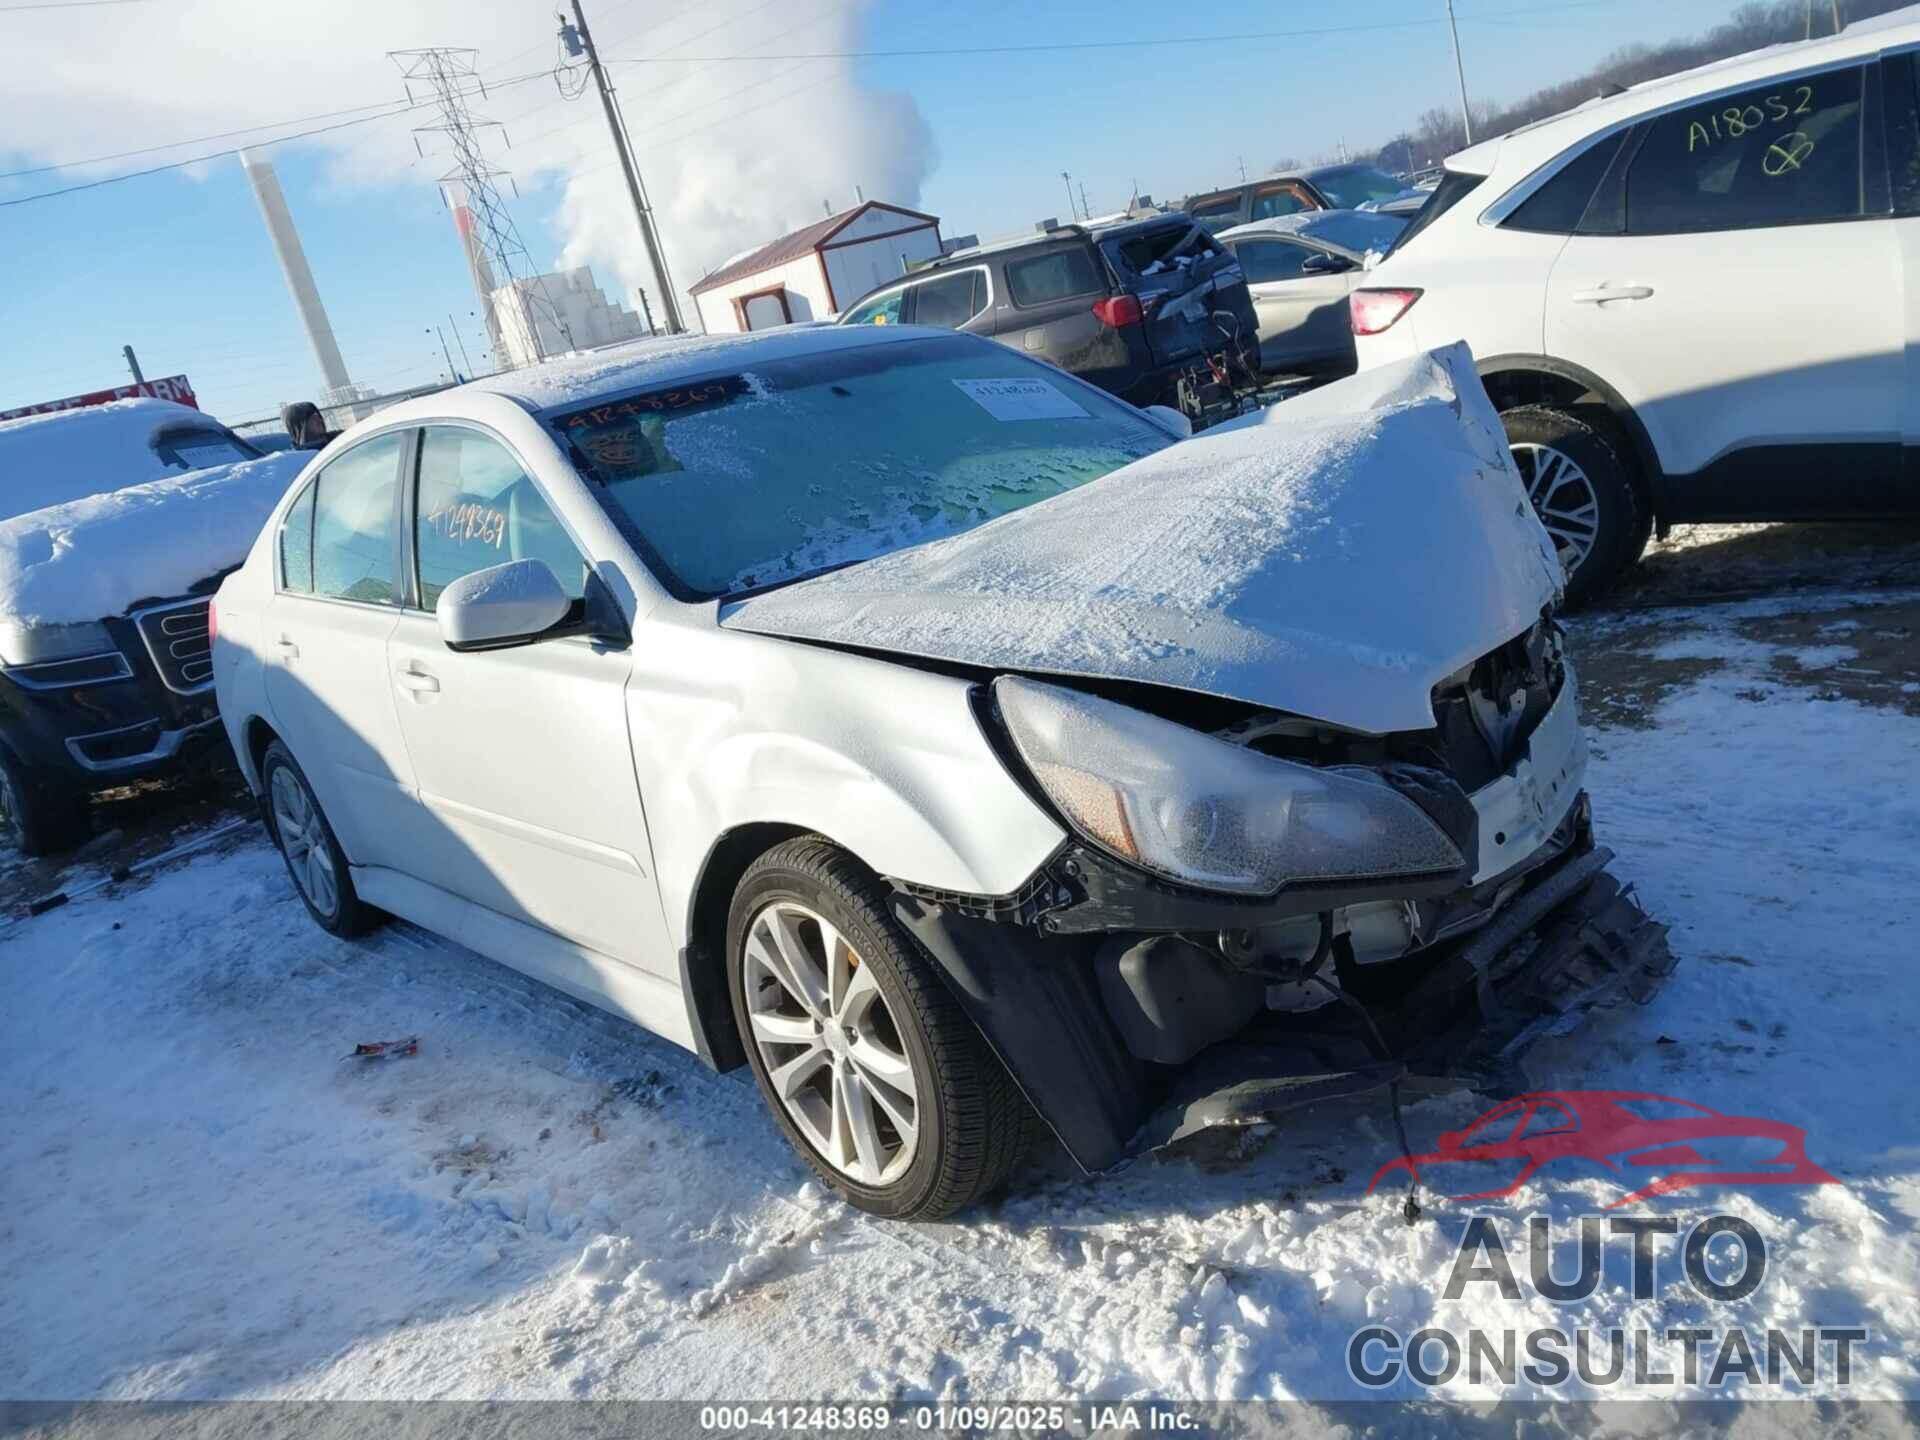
(178,265)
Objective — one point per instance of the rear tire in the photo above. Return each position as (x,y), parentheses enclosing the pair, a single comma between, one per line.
(1583,491)
(902,1109)
(315,862)
(38,820)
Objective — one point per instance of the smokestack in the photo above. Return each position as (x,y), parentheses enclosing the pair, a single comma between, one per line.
(293,265)
(479,267)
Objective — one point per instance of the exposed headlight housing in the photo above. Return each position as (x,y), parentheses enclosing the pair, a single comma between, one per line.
(59,657)
(1208,813)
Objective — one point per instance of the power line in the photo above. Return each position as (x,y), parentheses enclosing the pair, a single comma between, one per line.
(69,4)
(1068,45)
(402,108)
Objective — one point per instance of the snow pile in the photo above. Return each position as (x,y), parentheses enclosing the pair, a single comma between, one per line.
(99,556)
(67,454)
(1335,556)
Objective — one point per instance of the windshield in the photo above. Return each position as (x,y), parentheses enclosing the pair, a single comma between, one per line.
(1351,186)
(752,479)
(1355,230)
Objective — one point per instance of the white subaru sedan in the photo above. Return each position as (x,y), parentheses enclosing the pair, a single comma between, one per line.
(960,747)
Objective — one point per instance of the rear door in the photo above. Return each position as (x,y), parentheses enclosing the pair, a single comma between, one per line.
(1191,288)
(1733,281)
(335,604)
(1047,312)
(1303,317)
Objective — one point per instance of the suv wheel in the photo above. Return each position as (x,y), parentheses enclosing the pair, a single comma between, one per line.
(869,1065)
(1583,492)
(314,858)
(38,821)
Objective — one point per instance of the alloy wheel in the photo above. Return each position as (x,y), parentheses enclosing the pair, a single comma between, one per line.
(297,822)
(1564,498)
(830,1044)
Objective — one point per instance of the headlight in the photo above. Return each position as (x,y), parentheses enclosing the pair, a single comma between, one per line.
(32,644)
(1206,812)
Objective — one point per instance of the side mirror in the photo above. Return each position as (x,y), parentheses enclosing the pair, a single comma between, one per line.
(1323,262)
(509,604)
(1171,420)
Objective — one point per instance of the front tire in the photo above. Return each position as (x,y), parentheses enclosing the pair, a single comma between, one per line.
(315,862)
(42,820)
(1583,492)
(870,1067)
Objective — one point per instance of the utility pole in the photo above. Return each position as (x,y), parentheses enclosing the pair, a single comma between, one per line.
(1460,69)
(1086,210)
(578,40)
(452,373)
(647,310)
(1072,214)
(133,364)
(465,359)
(1243,168)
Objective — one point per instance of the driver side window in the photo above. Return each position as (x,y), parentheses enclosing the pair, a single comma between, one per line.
(477,507)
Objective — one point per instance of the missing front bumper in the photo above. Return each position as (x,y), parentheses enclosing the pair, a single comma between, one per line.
(1573,940)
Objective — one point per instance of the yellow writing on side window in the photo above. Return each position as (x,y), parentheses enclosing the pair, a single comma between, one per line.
(1736,121)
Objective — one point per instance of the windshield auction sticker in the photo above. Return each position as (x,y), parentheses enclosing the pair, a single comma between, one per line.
(1021,400)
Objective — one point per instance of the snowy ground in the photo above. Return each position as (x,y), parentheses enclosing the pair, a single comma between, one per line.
(200,1198)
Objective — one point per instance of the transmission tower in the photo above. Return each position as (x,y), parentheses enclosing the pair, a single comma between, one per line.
(496,254)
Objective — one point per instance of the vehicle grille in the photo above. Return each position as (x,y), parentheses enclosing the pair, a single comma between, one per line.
(176,638)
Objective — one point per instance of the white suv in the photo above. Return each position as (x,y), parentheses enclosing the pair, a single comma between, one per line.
(939,735)
(1692,300)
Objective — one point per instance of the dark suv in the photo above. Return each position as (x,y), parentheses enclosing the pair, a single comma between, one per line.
(1154,310)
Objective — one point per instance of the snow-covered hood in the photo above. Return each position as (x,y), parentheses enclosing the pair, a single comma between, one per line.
(1335,556)
(96,557)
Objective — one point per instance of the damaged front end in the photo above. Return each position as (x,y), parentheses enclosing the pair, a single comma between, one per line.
(1270,910)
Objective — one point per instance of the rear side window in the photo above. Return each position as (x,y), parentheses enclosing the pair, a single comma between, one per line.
(296,544)
(477,508)
(353,522)
(1556,207)
(1901,74)
(950,301)
(1454,186)
(1268,260)
(1059,275)
(1215,214)
(1786,153)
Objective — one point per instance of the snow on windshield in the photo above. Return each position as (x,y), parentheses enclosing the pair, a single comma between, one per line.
(99,555)
(798,465)
(53,458)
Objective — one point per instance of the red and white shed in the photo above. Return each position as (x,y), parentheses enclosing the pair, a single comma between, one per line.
(811,273)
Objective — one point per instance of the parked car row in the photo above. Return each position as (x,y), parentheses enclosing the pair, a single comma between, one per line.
(1686,299)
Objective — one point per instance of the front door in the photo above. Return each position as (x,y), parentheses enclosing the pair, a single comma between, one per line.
(520,755)
(1304,324)
(1743,306)
(334,607)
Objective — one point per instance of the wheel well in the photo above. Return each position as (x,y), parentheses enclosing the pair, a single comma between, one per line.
(1514,386)
(258,735)
(703,969)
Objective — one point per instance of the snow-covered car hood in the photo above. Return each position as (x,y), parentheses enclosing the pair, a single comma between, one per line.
(1335,556)
(92,558)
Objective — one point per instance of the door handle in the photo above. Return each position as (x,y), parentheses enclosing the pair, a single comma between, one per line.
(288,650)
(416,681)
(1600,294)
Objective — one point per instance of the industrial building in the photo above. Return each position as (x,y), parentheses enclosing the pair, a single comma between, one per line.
(547,315)
(811,273)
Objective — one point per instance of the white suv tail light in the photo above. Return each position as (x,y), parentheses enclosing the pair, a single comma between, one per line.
(1373,311)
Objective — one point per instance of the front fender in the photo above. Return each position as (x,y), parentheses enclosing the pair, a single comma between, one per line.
(733,729)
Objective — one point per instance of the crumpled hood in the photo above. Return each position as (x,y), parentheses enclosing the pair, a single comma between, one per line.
(1335,556)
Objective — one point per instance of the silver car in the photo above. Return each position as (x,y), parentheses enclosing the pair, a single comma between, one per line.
(1300,270)
(945,739)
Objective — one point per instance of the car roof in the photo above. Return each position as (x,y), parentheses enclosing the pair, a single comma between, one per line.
(1099,229)
(580,378)
(1522,151)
